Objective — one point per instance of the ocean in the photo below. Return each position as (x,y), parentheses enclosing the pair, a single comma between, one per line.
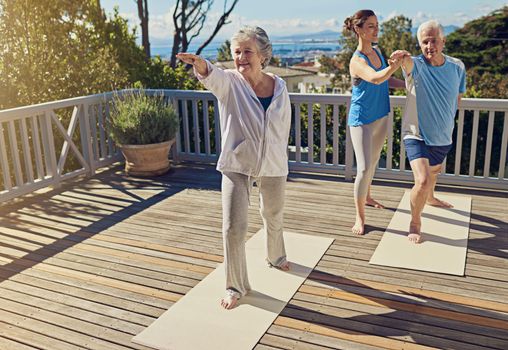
(290,49)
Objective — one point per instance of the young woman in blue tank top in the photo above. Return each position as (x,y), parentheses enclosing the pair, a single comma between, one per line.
(370,104)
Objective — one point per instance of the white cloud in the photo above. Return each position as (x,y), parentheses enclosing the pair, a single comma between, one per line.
(389,16)
(161,25)
(421,17)
(281,27)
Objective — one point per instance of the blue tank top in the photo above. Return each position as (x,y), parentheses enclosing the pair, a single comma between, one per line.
(369,102)
(265,101)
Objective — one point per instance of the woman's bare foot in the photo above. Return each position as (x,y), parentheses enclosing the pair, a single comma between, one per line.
(435,202)
(415,235)
(358,228)
(230,299)
(283,266)
(371,202)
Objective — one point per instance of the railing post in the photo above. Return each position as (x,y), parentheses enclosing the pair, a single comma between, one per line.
(86,139)
(4,162)
(178,145)
(48,145)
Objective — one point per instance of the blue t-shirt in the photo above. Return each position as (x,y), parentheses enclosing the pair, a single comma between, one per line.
(437,89)
(369,102)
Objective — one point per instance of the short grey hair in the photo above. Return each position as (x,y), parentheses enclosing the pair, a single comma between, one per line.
(262,41)
(432,24)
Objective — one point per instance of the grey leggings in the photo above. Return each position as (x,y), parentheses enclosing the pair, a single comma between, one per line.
(368,141)
(235,205)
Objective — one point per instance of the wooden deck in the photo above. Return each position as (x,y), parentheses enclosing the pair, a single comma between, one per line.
(90,265)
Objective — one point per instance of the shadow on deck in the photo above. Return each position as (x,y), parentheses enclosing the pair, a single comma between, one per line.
(89,265)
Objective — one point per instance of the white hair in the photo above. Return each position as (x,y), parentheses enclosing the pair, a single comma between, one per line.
(262,41)
(432,24)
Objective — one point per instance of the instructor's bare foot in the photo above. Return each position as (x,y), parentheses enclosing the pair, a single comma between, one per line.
(415,235)
(230,299)
(435,202)
(358,228)
(371,202)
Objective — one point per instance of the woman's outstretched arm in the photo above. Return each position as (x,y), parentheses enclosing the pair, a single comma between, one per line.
(197,62)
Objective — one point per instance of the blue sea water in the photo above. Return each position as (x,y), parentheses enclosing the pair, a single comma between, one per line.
(280,49)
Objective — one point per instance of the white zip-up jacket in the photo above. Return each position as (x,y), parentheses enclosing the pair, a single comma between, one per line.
(254,143)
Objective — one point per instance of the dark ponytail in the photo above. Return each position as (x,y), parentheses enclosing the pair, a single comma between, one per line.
(357,20)
(348,23)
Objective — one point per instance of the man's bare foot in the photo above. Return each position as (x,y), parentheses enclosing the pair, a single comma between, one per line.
(415,235)
(371,202)
(230,299)
(358,228)
(435,202)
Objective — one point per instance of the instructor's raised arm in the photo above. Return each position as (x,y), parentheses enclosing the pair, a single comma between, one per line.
(360,68)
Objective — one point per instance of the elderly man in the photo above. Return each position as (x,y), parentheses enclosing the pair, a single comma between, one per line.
(435,84)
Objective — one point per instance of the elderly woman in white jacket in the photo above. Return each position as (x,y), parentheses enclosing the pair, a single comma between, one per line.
(255,118)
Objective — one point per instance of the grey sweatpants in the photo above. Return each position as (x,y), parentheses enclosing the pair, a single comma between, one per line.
(235,205)
(368,141)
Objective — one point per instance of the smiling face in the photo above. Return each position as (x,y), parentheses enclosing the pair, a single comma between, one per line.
(370,29)
(432,45)
(247,57)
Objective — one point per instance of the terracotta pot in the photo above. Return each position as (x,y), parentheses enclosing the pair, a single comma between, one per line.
(147,160)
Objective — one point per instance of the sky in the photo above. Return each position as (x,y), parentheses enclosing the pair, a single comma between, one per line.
(287,17)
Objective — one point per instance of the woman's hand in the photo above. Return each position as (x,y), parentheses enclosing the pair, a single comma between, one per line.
(194,60)
(405,59)
(395,62)
(399,54)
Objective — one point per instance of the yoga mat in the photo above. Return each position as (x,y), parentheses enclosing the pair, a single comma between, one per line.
(444,237)
(197,321)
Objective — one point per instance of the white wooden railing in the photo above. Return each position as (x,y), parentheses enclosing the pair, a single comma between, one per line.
(31,157)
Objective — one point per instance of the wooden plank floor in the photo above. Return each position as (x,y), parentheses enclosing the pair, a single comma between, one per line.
(91,264)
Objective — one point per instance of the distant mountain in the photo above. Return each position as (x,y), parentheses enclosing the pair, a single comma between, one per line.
(322,36)
(331,35)
(325,35)
(450,29)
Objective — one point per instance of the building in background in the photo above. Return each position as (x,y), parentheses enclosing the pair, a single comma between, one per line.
(302,79)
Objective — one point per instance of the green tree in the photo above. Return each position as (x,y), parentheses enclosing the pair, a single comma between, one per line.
(55,49)
(396,35)
(160,75)
(224,52)
(130,57)
(338,66)
(483,47)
